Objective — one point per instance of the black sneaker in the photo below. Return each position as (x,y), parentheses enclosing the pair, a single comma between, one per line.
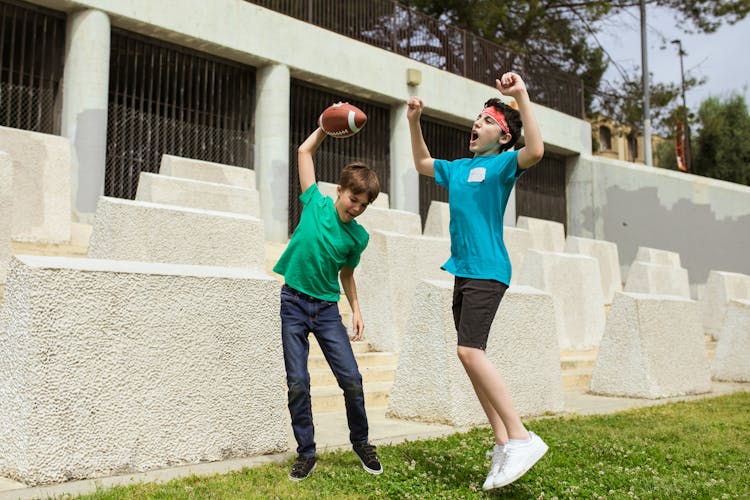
(366,453)
(302,468)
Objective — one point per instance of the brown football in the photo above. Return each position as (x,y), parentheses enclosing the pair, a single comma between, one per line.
(342,120)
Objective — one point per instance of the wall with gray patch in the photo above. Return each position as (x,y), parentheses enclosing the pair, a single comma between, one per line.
(706,221)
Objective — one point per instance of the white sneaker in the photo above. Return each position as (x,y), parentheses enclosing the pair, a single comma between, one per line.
(498,459)
(519,458)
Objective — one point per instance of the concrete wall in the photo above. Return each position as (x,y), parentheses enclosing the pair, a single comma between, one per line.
(112,367)
(199,170)
(704,220)
(149,232)
(6,208)
(41,185)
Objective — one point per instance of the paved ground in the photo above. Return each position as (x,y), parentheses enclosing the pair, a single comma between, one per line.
(332,434)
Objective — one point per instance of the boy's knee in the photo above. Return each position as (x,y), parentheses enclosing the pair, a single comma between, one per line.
(298,386)
(467,354)
(351,385)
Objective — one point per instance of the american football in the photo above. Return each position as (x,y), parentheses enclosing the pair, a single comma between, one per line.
(342,120)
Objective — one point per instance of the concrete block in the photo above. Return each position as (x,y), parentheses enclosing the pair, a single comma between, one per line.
(546,235)
(149,232)
(732,358)
(605,252)
(438,220)
(656,256)
(657,279)
(517,242)
(394,221)
(387,276)
(431,384)
(199,170)
(330,189)
(112,367)
(653,347)
(574,283)
(42,166)
(197,194)
(6,211)
(720,289)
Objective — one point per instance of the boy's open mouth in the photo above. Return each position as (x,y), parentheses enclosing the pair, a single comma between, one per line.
(474,136)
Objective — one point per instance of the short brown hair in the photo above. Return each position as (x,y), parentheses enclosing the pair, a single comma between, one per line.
(359,178)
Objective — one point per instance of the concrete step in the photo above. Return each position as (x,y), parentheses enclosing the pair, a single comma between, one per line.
(357,347)
(577,362)
(364,360)
(576,379)
(323,377)
(331,398)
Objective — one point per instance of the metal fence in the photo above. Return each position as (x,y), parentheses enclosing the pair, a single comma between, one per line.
(371,145)
(444,141)
(540,192)
(392,26)
(165,99)
(32,45)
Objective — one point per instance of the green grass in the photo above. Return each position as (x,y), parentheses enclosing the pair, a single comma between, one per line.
(698,449)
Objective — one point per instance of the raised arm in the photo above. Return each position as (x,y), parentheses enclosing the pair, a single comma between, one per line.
(423,162)
(350,289)
(305,164)
(512,85)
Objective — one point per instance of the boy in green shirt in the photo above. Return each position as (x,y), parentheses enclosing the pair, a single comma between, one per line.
(325,246)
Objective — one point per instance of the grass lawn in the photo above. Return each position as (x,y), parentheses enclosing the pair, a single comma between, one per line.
(698,449)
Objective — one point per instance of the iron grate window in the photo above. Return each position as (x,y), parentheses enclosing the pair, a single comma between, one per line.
(32,46)
(540,192)
(371,145)
(446,142)
(166,99)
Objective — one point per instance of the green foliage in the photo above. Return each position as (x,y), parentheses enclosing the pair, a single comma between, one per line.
(696,449)
(665,155)
(722,147)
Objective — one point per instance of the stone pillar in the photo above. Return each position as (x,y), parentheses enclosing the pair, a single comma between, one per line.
(404,188)
(272,92)
(84,110)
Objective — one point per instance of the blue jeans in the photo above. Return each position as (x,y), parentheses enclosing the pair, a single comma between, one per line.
(300,315)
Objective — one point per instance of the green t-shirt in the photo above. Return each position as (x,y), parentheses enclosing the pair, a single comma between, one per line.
(320,246)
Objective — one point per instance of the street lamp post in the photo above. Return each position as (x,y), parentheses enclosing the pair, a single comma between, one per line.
(686,125)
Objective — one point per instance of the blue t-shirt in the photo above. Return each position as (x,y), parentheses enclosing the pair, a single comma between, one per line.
(478,191)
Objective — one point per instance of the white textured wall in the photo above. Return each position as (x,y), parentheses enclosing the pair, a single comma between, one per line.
(438,220)
(517,242)
(546,235)
(575,286)
(387,276)
(657,256)
(721,288)
(431,384)
(653,347)
(199,170)
(197,194)
(391,220)
(142,231)
(732,357)
(330,189)
(605,252)
(112,367)
(41,185)
(6,208)
(704,220)
(658,279)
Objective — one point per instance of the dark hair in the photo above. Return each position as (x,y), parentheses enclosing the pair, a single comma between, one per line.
(359,178)
(512,116)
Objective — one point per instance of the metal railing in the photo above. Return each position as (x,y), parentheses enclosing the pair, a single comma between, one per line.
(392,26)
(32,44)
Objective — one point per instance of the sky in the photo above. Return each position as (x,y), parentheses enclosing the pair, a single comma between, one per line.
(722,58)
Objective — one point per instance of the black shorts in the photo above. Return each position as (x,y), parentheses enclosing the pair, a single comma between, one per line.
(475,302)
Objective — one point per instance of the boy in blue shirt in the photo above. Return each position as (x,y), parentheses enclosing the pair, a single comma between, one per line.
(478,191)
(325,246)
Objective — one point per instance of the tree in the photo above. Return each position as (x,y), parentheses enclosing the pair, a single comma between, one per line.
(561,34)
(722,147)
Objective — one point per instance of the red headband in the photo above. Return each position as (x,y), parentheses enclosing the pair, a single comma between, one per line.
(498,116)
